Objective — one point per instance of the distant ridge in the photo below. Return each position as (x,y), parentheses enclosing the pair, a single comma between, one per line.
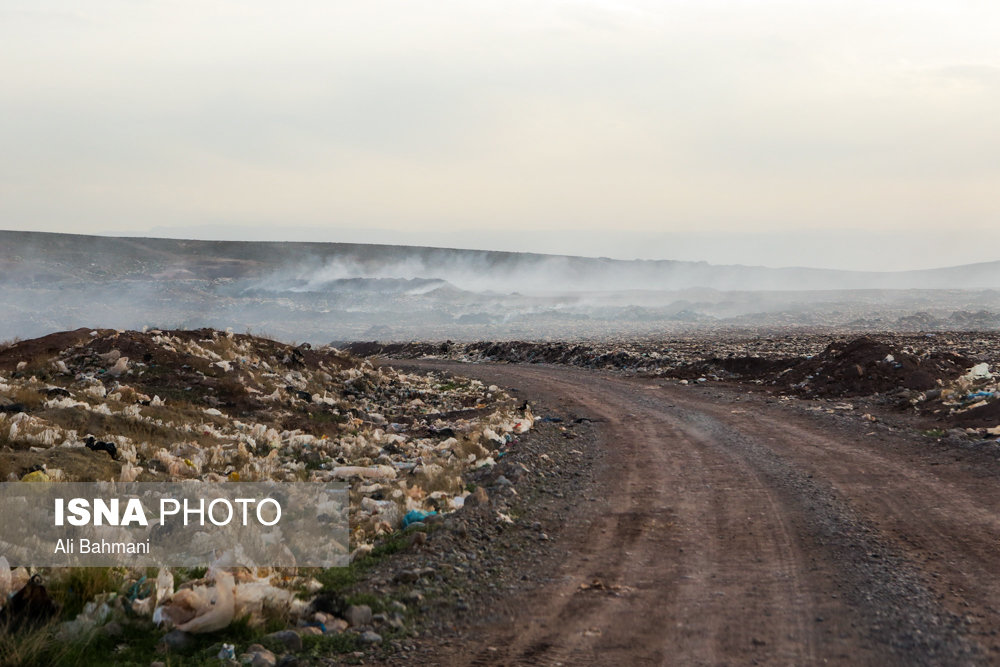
(57,257)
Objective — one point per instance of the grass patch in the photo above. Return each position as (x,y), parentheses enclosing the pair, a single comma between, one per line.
(77,586)
(28,397)
(318,646)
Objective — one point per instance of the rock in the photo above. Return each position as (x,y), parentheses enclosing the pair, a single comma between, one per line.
(336,627)
(177,641)
(310,630)
(157,664)
(414,597)
(291,640)
(323,617)
(358,615)
(258,656)
(289,660)
(407,576)
(396,605)
(460,529)
(370,637)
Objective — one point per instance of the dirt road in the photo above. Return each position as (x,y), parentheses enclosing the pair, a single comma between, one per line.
(736,529)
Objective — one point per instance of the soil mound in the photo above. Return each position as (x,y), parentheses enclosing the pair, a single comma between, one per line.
(864,366)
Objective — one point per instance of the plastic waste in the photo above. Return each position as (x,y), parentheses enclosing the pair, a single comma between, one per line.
(95,613)
(413,516)
(260,600)
(228,652)
(200,609)
(978,372)
(36,476)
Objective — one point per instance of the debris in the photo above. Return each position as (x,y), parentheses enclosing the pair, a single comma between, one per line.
(29,606)
(95,445)
(200,609)
(414,516)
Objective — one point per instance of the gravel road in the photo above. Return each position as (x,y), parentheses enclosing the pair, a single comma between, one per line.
(738,529)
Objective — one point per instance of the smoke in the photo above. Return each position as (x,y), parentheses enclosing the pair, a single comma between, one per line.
(323,292)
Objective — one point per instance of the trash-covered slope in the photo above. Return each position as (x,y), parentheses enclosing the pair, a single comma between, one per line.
(214,406)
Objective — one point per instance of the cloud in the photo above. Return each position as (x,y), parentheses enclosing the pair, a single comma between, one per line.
(640,116)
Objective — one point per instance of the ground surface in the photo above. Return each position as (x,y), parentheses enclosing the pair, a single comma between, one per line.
(721,527)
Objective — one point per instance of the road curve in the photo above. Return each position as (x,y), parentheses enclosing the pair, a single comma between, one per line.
(738,530)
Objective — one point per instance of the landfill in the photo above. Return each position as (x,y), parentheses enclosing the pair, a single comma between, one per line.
(952,379)
(216,406)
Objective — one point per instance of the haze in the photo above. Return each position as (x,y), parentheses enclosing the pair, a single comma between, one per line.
(842,134)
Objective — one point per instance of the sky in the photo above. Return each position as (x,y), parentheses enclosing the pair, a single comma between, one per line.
(848,134)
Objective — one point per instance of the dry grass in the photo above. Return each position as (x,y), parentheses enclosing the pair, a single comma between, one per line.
(28,397)
(85,421)
(448,479)
(31,647)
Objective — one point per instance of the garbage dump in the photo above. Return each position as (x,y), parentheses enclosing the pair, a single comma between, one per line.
(944,376)
(215,406)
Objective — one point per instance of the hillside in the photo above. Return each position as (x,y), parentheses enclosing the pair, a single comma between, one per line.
(326,291)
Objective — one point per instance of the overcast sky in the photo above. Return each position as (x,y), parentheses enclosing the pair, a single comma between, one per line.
(854,134)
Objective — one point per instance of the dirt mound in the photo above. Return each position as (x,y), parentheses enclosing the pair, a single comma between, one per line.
(864,366)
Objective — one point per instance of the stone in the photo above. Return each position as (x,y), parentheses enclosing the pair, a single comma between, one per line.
(258,656)
(407,576)
(370,637)
(358,615)
(336,626)
(291,640)
(310,630)
(323,617)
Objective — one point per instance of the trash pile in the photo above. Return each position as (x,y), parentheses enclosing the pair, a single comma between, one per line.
(622,355)
(929,372)
(215,406)
(863,367)
(972,401)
